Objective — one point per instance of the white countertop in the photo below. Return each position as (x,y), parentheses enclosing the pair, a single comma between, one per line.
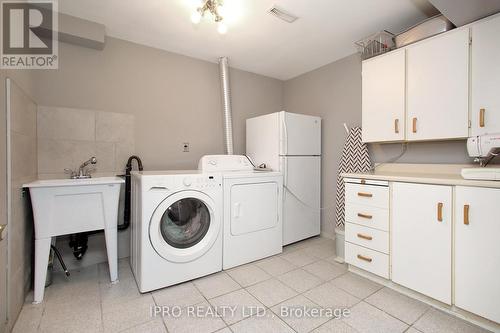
(439,174)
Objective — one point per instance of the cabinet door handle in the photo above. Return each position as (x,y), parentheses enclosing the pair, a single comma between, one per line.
(364,258)
(366,195)
(365,216)
(482,113)
(440,211)
(396,126)
(415,125)
(365,237)
(466,214)
(2,228)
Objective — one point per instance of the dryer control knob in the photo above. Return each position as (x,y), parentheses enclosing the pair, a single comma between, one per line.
(187,181)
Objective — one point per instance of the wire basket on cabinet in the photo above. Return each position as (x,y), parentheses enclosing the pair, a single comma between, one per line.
(376,44)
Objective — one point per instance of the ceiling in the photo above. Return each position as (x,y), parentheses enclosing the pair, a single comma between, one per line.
(256,41)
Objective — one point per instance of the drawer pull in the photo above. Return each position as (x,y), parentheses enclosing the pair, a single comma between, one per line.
(481,117)
(366,195)
(466,214)
(365,216)
(364,258)
(440,211)
(365,237)
(396,126)
(414,125)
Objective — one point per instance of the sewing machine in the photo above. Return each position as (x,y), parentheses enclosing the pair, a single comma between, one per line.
(483,148)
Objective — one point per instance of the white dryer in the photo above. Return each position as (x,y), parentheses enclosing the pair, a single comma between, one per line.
(176,230)
(253,203)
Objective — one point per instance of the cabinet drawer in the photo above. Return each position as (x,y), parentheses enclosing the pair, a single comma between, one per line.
(369,216)
(375,196)
(369,260)
(368,237)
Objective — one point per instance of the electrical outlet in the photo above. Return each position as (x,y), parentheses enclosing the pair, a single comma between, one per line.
(185,147)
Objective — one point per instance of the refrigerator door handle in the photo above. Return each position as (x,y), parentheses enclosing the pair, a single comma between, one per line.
(285,135)
(284,167)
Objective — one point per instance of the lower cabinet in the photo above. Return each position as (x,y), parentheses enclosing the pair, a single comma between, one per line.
(437,234)
(477,251)
(421,238)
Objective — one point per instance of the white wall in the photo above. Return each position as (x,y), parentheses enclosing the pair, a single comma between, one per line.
(174,98)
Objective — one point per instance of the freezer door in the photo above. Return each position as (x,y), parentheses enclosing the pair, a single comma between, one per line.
(299,134)
(263,140)
(302,197)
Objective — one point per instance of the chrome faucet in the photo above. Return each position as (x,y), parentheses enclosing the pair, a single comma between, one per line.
(82,172)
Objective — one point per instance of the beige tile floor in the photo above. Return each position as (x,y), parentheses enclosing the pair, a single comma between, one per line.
(304,275)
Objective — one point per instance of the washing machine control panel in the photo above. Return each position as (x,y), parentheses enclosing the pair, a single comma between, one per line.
(202,182)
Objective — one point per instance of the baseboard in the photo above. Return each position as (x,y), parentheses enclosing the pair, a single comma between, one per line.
(339,245)
(450,309)
(327,235)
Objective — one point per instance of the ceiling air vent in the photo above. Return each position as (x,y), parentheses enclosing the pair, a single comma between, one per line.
(282,15)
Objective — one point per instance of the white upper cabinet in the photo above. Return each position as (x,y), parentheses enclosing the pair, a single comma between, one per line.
(477,251)
(438,87)
(383,97)
(421,238)
(485,77)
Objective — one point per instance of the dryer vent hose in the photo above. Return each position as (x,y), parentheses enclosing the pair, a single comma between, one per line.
(226,104)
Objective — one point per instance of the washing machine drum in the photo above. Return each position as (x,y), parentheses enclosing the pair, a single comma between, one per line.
(185,223)
(184,226)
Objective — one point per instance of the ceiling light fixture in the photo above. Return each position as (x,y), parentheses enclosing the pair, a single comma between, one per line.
(213,7)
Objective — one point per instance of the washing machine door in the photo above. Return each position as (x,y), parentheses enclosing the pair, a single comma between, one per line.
(184,226)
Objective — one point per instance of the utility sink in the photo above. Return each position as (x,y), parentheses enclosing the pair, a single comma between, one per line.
(75,182)
(68,206)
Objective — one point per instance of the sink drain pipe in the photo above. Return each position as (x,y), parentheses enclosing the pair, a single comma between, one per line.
(79,242)
(128,190)
(226,105)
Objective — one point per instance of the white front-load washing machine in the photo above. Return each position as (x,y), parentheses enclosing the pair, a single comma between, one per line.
(253,203)
(176,229)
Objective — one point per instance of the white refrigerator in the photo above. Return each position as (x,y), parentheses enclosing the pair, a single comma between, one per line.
(291,143)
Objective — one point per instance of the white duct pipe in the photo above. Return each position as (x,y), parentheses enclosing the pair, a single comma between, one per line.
(226,104)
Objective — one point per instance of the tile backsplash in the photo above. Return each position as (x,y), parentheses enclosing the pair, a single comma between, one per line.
(68,136)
